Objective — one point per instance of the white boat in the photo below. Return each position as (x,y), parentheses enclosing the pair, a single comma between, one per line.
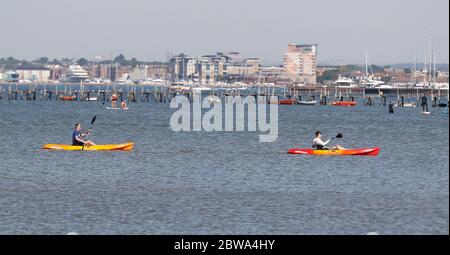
(345,82)
(11,76)
(383,86)
(76,73)
(369,79)
(313,102)
(407,105)
(371,82)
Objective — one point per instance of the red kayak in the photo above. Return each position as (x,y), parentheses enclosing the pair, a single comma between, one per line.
(344,103)
(352,152)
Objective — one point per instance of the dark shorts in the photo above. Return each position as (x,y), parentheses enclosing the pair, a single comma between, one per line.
(321,148)
(77,144)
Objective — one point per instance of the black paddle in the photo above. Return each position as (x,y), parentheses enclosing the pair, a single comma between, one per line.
(338,136)
(89,130)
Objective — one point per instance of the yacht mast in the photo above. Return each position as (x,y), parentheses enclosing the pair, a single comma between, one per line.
(431,60)
(367,68)
(434,67)
(414,78)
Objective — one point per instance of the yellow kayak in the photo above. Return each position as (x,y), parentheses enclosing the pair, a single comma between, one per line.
(105,147)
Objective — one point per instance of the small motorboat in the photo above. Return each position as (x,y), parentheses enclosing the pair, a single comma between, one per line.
(313,102)
(344,103)
(68,98)
(286,101)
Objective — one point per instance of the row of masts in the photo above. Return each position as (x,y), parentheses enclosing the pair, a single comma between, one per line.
(429,65)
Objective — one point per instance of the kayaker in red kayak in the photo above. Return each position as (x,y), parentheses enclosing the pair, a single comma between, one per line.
(78,137)
(318,144)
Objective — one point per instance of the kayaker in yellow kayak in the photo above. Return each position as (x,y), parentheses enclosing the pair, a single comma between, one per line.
(318,144)
(78,138)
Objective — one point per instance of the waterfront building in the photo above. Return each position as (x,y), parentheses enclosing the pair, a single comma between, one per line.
(139,73)
(300,62)
(213,68)
(157,70)
(38,74)
(108,71)
(442,77)
(56,72)
(178,67)
(206,70)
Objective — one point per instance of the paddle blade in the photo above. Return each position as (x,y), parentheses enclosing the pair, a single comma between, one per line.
(339,136)
(93,120)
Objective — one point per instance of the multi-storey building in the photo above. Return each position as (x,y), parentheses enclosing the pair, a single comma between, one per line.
(210,68)
(40,74)
(139,73)
(157,70)
(300,62)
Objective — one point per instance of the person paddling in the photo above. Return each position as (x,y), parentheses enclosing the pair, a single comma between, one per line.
(78,137)
(318,144)
(124,105)
(424,103)
(114,98)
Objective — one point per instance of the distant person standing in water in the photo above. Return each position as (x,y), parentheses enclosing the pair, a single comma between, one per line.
(391,108)
(424,103)
(114,98)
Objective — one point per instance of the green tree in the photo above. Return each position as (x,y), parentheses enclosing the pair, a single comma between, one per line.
(328,75)
(133,62)
(120,59)
(56,62)
(42,60)
(83,62)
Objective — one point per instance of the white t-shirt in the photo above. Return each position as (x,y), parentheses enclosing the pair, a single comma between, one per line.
(318,142)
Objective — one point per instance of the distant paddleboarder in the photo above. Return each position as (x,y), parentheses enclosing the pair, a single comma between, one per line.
(78,138)
(424,103)
(124,105)
(318,144)
(114,98)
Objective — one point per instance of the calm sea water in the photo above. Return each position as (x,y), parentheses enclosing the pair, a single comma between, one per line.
(222,183)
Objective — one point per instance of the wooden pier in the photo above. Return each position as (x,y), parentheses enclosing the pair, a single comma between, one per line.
(163,94)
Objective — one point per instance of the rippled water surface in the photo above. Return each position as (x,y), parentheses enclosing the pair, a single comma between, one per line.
(222,183)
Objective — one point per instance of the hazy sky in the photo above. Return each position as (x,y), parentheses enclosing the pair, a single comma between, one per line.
(390,30)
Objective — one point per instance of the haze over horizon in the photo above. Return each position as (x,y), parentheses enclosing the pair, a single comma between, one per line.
(390,31)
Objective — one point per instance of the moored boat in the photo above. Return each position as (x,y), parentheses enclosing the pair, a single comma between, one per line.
(344,103)
(68,98)
(314,102)
(287,101)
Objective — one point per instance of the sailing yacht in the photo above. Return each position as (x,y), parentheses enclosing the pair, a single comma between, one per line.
(369,80)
